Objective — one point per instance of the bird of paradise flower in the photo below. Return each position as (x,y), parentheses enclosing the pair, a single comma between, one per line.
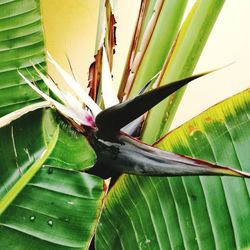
(110,131)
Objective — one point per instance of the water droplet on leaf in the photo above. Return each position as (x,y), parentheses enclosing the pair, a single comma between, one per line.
(50,223)
(66,219)
(32,218)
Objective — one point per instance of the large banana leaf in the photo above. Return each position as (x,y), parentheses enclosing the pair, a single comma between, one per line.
(44,202)
(58,209)
(24,140)
(21,42)
(188,212)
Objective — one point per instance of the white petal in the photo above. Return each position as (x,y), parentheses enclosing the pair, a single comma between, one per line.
(85,119)
(76,88)
(45,96)
(7,119)
(75,106)
(51,85)
(69,100)
(109,96)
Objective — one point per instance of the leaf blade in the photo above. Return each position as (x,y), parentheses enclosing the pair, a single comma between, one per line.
(21,41)
(181,62)
(19,185)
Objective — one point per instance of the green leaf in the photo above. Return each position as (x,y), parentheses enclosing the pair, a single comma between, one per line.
(188,212)
(21,42)
(17,151)
(25,177)
(42,203)
(72,150)
(181,63)
(57,209)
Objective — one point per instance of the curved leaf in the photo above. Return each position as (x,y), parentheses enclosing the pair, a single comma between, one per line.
(57,208)
(72,150)
(18,152)
(188,212)
(25,177)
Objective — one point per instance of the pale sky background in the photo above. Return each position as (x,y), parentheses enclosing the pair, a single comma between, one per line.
(70,28)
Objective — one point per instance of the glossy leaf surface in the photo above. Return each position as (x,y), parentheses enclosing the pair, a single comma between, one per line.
(57,208)
(21,43)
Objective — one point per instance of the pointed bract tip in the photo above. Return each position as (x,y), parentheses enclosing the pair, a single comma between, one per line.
(237,173)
